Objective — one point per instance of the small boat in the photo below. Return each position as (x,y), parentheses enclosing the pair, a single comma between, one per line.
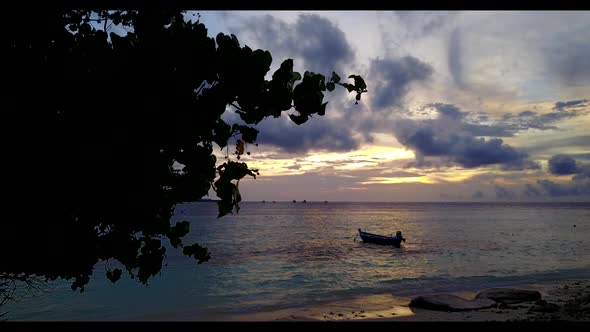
(380,239)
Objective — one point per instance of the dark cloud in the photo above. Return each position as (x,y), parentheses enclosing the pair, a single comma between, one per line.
(532,120)
(531,191)
(448,110)
(451,138)
(503,193)
(487,130)
(566,165)
(570,61)
(572,142)
(511,123)
(390,79)
(571,189)
(520,165)
(585,156)
(315,39)
(478,194)
(421,23)
(467,121)
(318,134)
(561,105)
(563,165)
(584,173)
(525,113)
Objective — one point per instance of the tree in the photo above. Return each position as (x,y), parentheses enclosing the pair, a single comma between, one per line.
(98,120)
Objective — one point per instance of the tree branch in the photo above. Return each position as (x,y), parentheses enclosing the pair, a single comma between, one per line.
(236,106)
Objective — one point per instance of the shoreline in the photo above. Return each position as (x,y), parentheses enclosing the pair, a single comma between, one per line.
(570,297)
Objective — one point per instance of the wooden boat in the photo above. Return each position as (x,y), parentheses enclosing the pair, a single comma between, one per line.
(380,239)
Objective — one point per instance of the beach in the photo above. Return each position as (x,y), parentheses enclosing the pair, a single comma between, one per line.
(288,261)
(566,300)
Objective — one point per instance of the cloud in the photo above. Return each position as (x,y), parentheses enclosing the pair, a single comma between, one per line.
(533,120)
(571,142)
(423,23)
(583,173)
(569,60)
(503,193)
(487,130)
(454,58)
(563,165)
(467,122)
(585,156)
(315,39)
(566,165)
(572,189)
(531,191)
(478,194)
(448,110)
(448,137)
(403,174)
(390,79)
(317,134)
(561,105)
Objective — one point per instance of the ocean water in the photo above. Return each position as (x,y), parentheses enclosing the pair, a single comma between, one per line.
(279,255)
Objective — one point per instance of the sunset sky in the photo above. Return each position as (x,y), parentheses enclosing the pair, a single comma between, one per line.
(461,106)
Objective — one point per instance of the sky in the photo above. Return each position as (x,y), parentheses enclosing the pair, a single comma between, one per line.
(461,105)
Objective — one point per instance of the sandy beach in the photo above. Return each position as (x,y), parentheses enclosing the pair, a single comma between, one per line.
(566,300)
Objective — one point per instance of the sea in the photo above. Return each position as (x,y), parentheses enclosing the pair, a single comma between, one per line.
(281,255)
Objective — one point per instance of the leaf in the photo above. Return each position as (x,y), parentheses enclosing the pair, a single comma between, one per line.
(359,83)
(348,86)
(249,134)
(322,110)
(201,254)
(240,147)
(330,86)
(235,40)
(335,78)
(114,275)
(298,119)
(296,77)
(180,229)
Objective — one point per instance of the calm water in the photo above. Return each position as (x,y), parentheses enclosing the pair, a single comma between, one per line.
(279,255)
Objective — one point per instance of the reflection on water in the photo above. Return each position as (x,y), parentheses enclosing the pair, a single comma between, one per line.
(273,256)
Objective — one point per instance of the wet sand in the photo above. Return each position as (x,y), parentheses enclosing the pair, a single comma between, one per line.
(571,299)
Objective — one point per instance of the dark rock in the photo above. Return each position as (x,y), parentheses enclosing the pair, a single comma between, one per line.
(509,295)
(541,302)
(447,302)
(514,307)
(547,307)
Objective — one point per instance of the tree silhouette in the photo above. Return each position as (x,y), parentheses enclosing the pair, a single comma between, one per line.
(98,120)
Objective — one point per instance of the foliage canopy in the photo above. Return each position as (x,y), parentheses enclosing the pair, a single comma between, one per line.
(98,120)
